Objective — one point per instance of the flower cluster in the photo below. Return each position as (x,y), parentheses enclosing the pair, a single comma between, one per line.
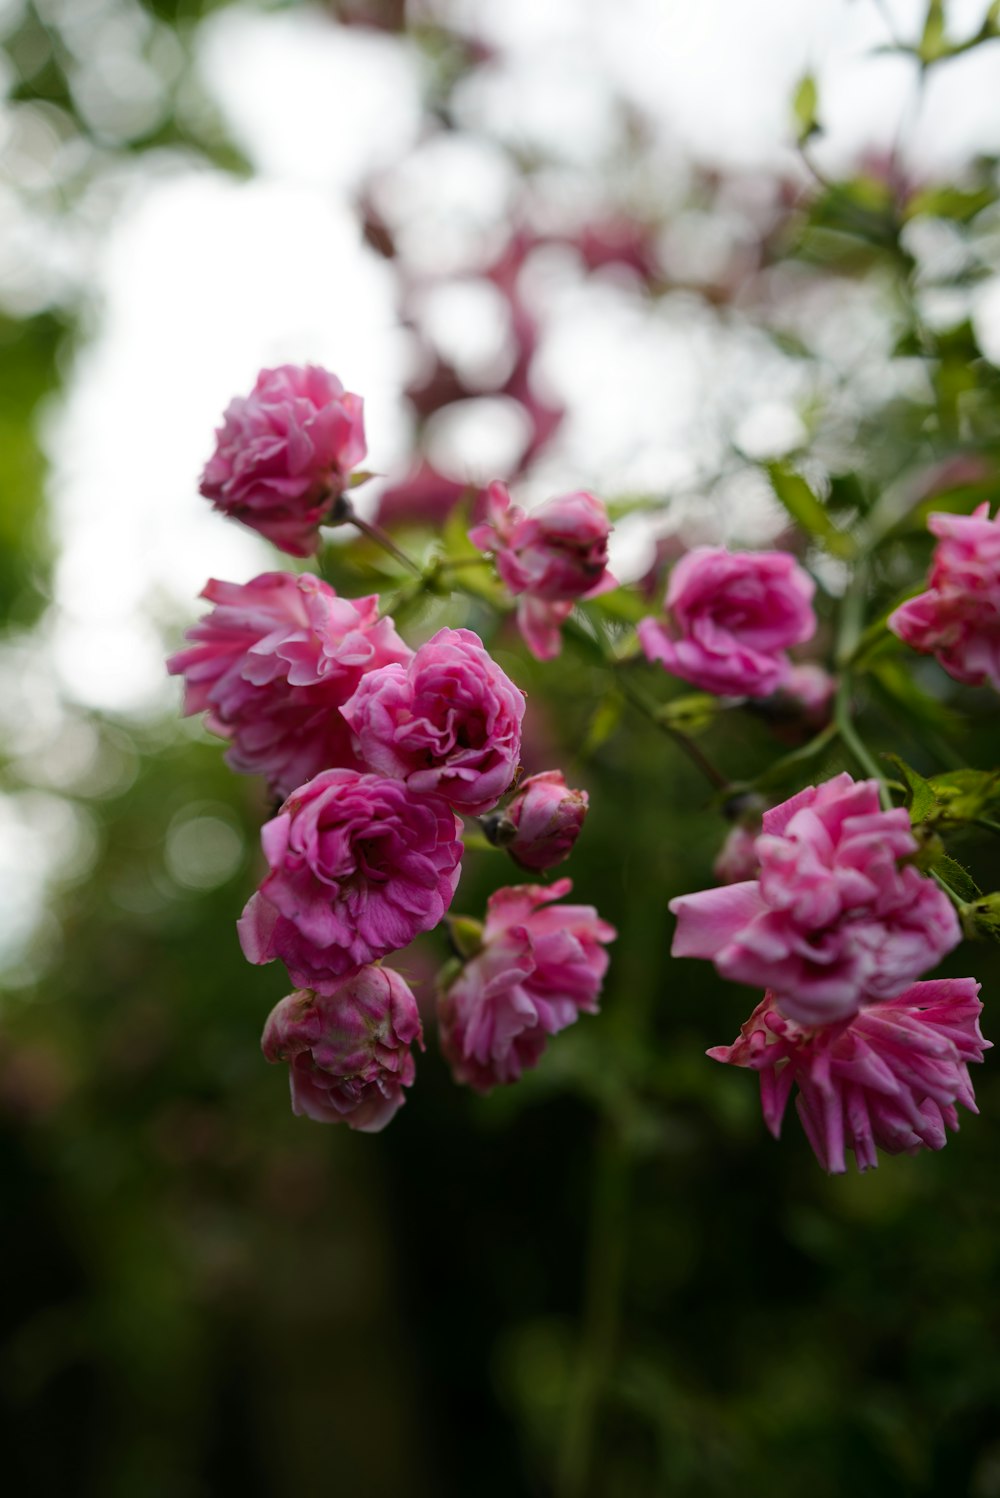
(837,927)
(375,749)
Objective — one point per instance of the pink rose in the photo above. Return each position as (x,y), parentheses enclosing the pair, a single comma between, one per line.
(447,723)
(834,921)
(552,557)
(546,817)
(958,618)
(887,1078)
(359,866)
(271,666)
(348,1050)
(730,617)
(537,970)
(283,454)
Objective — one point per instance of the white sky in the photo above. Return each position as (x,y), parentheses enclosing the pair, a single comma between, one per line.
(202,280)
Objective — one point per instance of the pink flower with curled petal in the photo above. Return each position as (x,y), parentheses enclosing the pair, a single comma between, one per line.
(546,816)
(958,618)
(272,664)
(887,1078)
(730,616)
(551,557)
(448,723)
(834,920)
(348,1050)
(540,966)
(359,866)
(284,453)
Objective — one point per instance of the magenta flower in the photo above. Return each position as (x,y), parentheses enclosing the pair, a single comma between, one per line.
(349,1050)
(546,817)
(272,664)
(537,970)
(284,453)
(448,722)
(958,618)
(359,866)
(551,558)
(834,921)
(729,618)
(887,1078)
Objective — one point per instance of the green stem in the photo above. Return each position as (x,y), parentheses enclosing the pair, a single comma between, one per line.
(605,1275)
(382,538)
(852,740)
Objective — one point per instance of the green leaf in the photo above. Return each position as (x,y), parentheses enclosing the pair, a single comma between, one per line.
(934,42)
(807,510)
(964,795)
(607,715)
(691,714)
(804,102)
(921,802)
(958,880)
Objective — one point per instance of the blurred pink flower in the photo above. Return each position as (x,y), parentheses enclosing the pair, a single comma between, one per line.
(348,1050)
(272,664)
(887,1078)
(729,618)
(958,618)
(359,865)
(547,817)
(550,557)
(737,859)
(537,970)
(447,723)
(422,497)
(284,453)
(834,921)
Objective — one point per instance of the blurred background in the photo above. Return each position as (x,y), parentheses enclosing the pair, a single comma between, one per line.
(641,246)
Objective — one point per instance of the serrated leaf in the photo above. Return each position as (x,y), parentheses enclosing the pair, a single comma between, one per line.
(921,802)
(807,510)
(958,880)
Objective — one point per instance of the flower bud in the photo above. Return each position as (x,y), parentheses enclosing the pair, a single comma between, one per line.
(547,817)
(348,1050)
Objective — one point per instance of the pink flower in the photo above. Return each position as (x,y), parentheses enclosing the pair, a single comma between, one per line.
(537,970)
(887,1078)
(736,860)
(284,453)
(554,556)
(834,921)
(349,1049)
(546,817)
(958,618)
(448,722)
(359,866)
(730,617)
(272,664)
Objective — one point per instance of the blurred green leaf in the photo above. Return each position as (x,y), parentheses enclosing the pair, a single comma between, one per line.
(804,102)
(807,510)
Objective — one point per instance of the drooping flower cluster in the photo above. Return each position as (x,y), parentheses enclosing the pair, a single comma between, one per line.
(729,619)
(958,618)
(548,559)
(836,927)
(374,747)
(887,1078)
